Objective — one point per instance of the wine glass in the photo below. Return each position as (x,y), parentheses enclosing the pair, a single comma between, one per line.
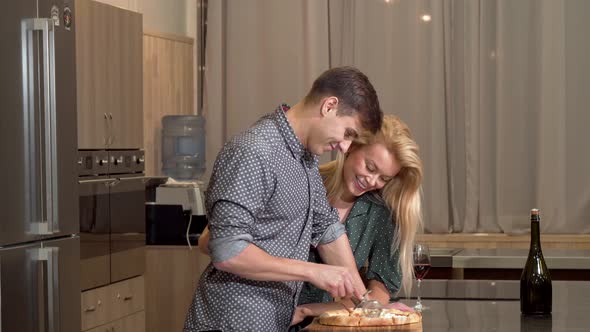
(421,266)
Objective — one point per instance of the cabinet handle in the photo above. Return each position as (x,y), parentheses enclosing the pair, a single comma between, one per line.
(111,134)
(125,298)
(107,137)
(90,309)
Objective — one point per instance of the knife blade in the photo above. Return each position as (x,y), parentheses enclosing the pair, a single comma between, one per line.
(359,302)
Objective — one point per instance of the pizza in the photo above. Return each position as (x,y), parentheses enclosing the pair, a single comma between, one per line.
(386,317)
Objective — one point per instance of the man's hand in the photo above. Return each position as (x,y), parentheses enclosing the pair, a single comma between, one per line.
(339,253)
(339,281)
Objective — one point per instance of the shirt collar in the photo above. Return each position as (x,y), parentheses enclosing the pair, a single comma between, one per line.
(293,143)
(361,206)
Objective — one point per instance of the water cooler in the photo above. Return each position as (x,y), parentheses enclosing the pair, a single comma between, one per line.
(176,213)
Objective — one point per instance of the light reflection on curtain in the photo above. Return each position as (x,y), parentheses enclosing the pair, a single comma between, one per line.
(491,92)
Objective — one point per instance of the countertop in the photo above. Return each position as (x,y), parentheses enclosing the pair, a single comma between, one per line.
(504,258)
(570,259)
(571,309)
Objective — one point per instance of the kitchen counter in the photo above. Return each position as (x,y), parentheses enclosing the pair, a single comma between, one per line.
(504,258)
(569,259)
(478,313)
(489,289)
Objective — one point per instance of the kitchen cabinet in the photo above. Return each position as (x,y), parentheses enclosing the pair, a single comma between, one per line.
(172,273)
(118,307)
(109,74)
(131,323)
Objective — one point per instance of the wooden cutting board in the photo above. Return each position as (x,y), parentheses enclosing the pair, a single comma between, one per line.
(315,326)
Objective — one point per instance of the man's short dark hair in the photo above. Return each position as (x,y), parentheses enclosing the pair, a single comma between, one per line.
(354,92)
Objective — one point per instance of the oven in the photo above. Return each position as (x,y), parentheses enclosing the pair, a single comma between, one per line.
(111,193)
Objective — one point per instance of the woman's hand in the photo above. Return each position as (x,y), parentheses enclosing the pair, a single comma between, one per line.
(300,313)
(204,241)
(398,306)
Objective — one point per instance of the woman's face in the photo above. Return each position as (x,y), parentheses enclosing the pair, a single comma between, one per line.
(368,168)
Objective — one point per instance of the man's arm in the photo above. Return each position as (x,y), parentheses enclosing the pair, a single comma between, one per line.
(339,253)
(334,279)
(254,263)
(378,292)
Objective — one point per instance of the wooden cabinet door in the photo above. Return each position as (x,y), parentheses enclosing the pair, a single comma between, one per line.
(96,307)
(127,49)
(93,103)
(104,328)
(131,323)
(127,297)
(109,76)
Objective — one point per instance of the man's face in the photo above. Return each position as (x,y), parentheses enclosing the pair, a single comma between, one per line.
(333,132)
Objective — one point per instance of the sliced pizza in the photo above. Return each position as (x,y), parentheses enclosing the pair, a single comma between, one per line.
(387,317)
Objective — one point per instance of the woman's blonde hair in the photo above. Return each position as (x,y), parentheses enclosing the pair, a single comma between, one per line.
(402,194)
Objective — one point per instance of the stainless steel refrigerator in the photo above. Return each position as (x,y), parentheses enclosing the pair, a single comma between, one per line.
(39,243)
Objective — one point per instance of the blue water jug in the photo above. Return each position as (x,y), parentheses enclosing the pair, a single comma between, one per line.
(183,146)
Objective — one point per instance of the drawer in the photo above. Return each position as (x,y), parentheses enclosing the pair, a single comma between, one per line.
(95,307)
(128,297)
(131,323)
(106,304)
(104,328)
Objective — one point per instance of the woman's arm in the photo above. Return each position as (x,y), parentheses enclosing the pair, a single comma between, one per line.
(313,309)
(204,241)
(378,292)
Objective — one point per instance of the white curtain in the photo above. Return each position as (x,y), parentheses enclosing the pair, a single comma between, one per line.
(520,108)
(495,92)
(259,53)
(403,54)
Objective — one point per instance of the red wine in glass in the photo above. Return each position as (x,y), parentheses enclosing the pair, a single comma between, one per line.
(420,270)
(422,264)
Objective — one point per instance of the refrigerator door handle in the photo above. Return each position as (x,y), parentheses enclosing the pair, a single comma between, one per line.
(1,294)
(107,182)
(42,204)
(50,256)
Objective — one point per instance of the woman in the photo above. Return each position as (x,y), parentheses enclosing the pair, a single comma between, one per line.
(376,188)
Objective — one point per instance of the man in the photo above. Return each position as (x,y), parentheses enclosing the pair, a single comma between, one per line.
(266,205)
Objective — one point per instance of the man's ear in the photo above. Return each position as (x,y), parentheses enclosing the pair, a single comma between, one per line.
(329,105)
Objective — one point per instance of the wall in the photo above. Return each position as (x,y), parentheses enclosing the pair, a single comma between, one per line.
(167,85)
(169,16)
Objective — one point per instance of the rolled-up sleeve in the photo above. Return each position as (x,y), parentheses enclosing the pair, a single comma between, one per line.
(229,219)
(236,194)
(333,232)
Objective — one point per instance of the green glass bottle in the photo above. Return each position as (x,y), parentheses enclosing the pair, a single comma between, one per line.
(535,281)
